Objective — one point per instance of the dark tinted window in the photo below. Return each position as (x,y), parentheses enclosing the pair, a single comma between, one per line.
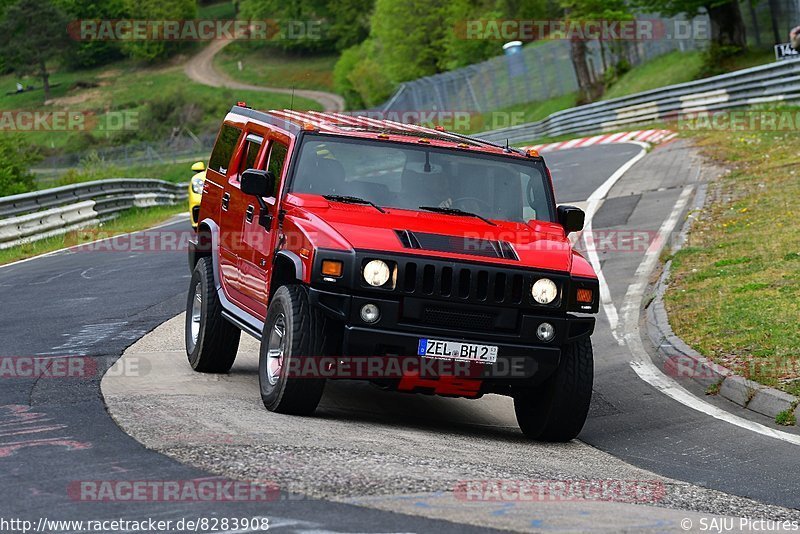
(400,175)
(223,149)
(277,157)
(251,153)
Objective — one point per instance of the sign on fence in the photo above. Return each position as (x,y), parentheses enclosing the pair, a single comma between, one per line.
(785,51)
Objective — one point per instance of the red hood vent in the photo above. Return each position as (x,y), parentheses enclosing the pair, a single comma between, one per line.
(457,244)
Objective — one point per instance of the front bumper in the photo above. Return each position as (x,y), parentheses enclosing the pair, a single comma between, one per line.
(521,355)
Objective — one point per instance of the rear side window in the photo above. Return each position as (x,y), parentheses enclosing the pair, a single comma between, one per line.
(223,149)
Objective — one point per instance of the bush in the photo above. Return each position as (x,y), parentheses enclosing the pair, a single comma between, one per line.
(16,157)
(360,78)
(342,72)
(716,58)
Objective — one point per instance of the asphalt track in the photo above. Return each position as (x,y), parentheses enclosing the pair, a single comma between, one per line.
(95,304)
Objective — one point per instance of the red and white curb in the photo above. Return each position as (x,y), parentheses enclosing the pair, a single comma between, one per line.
(644,136)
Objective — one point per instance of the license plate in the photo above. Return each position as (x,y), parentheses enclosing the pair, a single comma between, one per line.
(455,350)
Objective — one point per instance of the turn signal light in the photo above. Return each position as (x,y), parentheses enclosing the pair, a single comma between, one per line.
(332,268)
(532,152)
(585,296)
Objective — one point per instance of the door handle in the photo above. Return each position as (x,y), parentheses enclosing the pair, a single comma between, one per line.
(249,213)
(226,200)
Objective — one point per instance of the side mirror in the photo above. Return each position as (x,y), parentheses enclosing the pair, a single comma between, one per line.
(199,166)
(571,218)
(258,183)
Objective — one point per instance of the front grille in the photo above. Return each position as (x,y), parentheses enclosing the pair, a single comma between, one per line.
(461,320)
(461,282)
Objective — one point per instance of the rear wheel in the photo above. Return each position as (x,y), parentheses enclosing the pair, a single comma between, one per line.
(557,409)
(211,341)
(293,331)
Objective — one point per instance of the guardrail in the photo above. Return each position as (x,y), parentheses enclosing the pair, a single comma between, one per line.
(42,214)
(774,82)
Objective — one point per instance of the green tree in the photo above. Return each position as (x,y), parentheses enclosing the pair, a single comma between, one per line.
(16,157)
(590,10)
(727,25)
(410,36)
(32,33)
(93,52)
(151,49)
(343,23)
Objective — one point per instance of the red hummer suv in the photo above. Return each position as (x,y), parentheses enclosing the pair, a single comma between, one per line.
(415,258)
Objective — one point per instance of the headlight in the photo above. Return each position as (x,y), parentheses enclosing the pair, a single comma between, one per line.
(544,291)
(376,273)
(197,185)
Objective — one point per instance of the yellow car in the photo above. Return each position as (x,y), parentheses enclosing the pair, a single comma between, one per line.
(196,191)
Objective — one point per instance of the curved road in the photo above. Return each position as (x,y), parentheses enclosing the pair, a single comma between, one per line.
(200,68)
(93,304)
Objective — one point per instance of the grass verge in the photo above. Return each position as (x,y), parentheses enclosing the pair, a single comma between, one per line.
(131,220)
(262,65)
(669,69)
(127,87)
(734,294)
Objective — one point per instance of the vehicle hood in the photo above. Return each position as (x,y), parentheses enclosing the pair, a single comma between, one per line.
(537,244)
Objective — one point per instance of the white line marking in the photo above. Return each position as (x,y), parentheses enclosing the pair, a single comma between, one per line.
(643,365)
(596,200)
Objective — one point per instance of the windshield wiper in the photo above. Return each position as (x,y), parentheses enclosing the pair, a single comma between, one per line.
(456,211)
(353,200)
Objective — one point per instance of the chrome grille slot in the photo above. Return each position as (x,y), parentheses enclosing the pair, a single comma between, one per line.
(500,287)
(428,279)
(463,283)
(482,285)
(516,288)
(410,277)
(447,281)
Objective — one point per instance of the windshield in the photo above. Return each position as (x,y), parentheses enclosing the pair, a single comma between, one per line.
(409,177)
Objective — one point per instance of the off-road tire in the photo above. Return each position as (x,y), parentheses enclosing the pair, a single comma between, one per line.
(306,334)
(217,339)
(556,410)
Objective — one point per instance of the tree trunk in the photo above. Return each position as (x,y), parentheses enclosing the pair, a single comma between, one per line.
(602,55)
(577,52)
(45,81)
(727,26)
(774,16)
(754,18)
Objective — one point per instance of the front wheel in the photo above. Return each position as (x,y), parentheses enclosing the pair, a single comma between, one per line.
(211,341)
(293,330)
(556,410)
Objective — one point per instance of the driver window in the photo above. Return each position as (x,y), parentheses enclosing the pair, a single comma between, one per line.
(251,148)
(277,158)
